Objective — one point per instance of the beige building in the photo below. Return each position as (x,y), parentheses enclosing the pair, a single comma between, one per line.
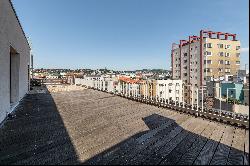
(206,57)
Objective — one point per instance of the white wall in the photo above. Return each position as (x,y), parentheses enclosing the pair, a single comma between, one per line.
(163,91)
(11,35)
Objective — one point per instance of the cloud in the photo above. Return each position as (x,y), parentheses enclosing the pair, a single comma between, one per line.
(244,50)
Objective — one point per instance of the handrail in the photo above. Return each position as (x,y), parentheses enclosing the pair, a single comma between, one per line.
(223,116)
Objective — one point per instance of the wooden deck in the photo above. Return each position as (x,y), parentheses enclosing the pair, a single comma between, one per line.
(92,127)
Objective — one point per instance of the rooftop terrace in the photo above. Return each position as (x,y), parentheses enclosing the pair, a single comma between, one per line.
(93,127)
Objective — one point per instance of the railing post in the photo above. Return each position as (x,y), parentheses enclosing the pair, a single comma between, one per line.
(192,97)
(174,94)
(183,103)
(202,100)
(197,103)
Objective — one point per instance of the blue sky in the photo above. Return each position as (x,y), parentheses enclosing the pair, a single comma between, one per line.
(123,34)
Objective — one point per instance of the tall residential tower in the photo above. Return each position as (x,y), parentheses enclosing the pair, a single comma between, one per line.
(206,57)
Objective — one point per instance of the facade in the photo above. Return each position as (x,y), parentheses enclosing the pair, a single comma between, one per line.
(14,60)
(209,56)
(232,90)
(170,89)
(148,88)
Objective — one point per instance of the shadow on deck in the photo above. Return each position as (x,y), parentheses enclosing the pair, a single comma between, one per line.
(36,134)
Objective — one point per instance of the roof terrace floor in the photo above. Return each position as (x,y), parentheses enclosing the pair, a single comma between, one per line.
(92,127)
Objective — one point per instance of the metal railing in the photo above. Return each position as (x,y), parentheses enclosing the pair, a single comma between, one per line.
(194,109)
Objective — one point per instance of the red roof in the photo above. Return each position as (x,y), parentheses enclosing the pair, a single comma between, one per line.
(129,80)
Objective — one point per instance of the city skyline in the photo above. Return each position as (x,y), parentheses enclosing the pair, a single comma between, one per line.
(122,35)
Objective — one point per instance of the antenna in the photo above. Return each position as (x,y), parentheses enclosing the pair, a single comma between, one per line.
(31,58)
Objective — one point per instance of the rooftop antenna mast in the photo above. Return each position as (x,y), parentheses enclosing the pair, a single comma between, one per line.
(31,58)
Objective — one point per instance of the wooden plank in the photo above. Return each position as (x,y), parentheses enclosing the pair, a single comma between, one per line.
(127,145)
(157,157)
(236,154)
(154,148)
(181,149)
(111,128)
(246,147)
(110,139)
(221,155)
(208,150)
(191,154)
(125,154)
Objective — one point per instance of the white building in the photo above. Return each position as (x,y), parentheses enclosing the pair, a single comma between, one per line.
(170,89)
(14,60)
(102,82)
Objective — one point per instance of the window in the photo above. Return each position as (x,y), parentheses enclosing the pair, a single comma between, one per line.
(220,61)
(177,91)
(227,62)
(185,54)
(227,70)
(237,62)
(185,61)
(208,45)
(177,84)
(170,90)
(220,45)
(220,70)
(221,53)
(227,46)
(237,55)
(227,54)
(208,53)
(208,61)
(208,70)
(237,47)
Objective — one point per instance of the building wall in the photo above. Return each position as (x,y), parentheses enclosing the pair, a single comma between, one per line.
(232,93)
(175,87)
(188,66)
(215,57)
(11,35)
(148,88)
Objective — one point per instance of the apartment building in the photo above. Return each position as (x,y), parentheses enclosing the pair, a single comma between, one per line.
(14,60)
(209,56)
(148,88)
(169,89)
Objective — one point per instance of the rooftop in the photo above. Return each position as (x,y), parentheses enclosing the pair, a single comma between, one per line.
(93,127)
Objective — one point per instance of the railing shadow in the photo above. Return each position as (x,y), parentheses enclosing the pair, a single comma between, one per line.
(36,134)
